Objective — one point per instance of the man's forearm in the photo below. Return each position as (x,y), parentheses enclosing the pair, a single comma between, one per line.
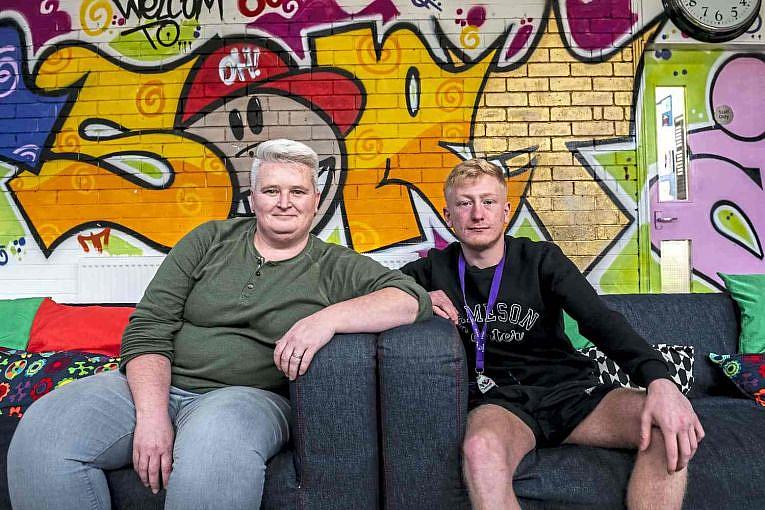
(148,376)
(372,313)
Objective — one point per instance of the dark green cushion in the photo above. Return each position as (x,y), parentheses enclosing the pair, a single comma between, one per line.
(16,317)
(748,290)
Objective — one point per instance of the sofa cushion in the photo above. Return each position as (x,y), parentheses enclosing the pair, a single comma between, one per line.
(746,371)
(96,329)
(679,359)
(708,322)
(18,315)
(26,376)
(728,459)
(749,292)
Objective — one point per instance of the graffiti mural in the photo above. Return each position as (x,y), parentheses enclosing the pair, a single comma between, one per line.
(127,123)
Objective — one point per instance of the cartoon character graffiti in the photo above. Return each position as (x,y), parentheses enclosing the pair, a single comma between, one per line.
(246,92)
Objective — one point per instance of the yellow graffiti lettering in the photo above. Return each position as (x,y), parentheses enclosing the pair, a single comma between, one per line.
(399,141)
(105,167)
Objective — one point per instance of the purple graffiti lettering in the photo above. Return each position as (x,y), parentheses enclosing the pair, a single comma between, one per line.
(726,169)
(713,180)
(314,13)
(3,256)
(737,85)
(287,6)
(520,40)
(439,243)
(597,24)
(45,20)
(427,4)
(476,16)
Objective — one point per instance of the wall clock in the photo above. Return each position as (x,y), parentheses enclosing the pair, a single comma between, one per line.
(713,20)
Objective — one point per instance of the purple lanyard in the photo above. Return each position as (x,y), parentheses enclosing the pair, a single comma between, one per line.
(480,338)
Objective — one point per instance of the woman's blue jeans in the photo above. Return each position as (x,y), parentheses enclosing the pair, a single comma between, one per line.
(223,440)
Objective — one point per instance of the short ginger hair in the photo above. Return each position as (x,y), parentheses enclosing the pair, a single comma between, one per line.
(473,169)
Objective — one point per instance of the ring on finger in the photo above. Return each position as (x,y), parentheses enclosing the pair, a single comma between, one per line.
(297,356)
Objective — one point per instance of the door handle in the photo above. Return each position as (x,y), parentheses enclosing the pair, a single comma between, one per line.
(659,219)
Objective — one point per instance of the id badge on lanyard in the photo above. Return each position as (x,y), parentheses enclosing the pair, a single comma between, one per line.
(484,383)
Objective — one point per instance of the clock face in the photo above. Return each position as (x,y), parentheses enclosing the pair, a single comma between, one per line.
(716,14)
(713,20)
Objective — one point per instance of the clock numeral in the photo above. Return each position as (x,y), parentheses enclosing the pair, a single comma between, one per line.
(705,9)
(734,12)
(718,16)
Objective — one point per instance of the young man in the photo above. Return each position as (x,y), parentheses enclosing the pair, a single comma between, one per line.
(528,386)
(235,309)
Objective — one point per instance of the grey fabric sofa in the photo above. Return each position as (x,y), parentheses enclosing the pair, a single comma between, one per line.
(379,420)
(332,461)
(423,414)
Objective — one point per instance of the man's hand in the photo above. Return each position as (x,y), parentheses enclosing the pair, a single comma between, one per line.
(443,307)
(296,349)
(668,409)
(153,449)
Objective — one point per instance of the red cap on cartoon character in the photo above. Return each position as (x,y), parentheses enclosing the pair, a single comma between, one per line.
(242,67)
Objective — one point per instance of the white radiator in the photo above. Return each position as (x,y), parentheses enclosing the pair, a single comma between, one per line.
(393,260)
(114,279)
(124,279)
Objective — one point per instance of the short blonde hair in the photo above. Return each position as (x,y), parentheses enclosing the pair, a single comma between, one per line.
(472,169)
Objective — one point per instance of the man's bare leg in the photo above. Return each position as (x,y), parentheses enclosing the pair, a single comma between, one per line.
(615,423)
(495,443)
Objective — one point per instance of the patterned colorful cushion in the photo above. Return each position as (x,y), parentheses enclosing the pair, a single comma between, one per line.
(747,371)
(679,358)
(25,376)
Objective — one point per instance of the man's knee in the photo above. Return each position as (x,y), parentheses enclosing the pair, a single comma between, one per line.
(498,446)
(484,445)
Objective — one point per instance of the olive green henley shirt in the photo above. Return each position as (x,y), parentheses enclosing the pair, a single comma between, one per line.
(215,308)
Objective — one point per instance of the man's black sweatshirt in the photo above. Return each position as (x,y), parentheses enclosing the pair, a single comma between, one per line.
(525,341)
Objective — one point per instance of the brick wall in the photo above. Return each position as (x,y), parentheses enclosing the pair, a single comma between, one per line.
(125,125)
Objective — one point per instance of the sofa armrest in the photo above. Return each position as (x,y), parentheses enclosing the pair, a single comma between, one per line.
(423,407)
(334,426)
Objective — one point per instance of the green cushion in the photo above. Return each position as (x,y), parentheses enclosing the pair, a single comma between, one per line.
(16,317)
(571,329)
(748,290)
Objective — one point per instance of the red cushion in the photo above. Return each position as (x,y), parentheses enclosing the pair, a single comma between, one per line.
(96,329)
